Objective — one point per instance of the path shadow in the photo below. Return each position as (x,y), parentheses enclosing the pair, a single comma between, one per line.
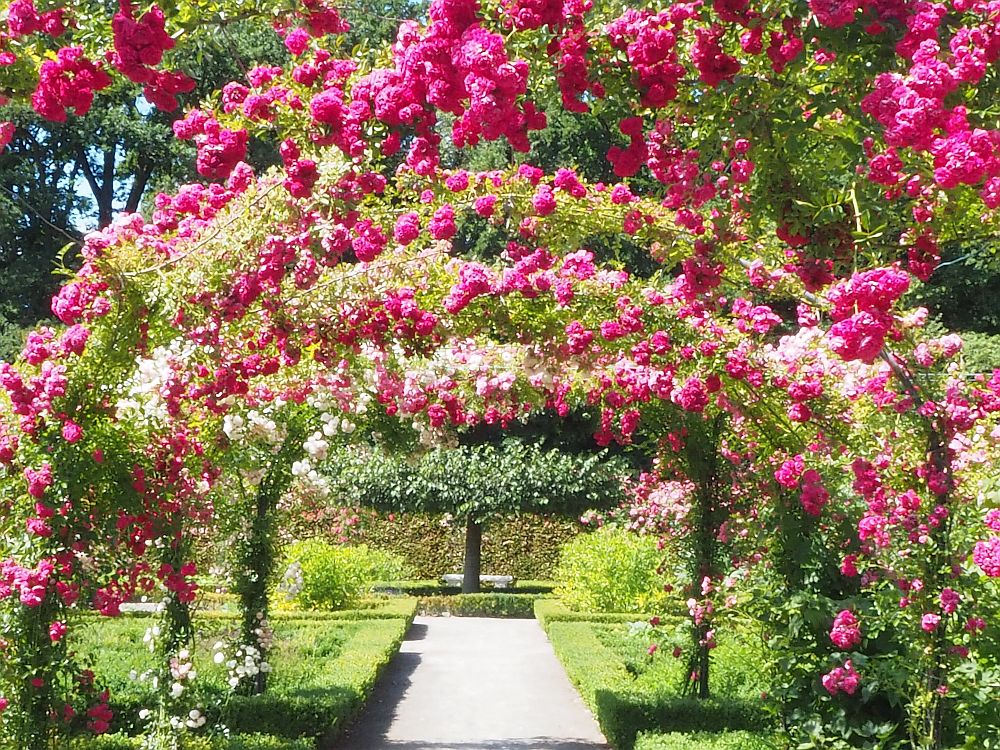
(370,728)
(533,743)
(417,632)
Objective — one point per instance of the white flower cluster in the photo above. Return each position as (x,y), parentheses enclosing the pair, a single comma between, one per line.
(152,633)
(182,673)
(292,582)
(434,437)
(331,399)
(303,470)
(195,720)
(255,426)
(639,627)
(316,447)
(247,662)
(144,400)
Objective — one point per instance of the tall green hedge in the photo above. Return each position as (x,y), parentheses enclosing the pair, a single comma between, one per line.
(525,545)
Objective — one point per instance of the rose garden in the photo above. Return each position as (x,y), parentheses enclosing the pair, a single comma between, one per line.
(627,297)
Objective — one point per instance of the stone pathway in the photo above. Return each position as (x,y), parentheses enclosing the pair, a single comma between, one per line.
(475,683)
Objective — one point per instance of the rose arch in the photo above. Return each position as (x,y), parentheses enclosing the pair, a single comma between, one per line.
(838,455)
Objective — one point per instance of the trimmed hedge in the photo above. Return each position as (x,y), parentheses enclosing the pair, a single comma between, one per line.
(708,741)
(390,608)
(624,706)
(479,605)
(552,610)
(241,742)
(434,587)
(626,713)
(373,608)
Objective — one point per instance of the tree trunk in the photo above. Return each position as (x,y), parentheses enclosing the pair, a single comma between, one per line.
(473,555)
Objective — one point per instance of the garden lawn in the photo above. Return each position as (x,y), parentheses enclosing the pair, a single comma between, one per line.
(324,668)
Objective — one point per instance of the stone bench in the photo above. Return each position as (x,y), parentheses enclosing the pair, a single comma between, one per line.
(498,582)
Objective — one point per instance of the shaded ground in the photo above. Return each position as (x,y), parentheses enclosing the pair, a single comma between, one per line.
(475,683)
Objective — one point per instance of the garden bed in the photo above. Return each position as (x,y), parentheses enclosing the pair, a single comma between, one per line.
(631,690)
(325,667)
(240,742)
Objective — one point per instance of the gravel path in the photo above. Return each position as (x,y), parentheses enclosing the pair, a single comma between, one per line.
(472,683)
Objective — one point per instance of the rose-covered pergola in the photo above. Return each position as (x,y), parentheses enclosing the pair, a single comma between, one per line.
(791,167)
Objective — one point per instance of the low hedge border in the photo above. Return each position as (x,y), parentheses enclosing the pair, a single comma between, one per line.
(323,710)
(431,587)
(241,742)
(480,605)
(390,608)
(383,608)
(548,611)
(708,741)
(622,708)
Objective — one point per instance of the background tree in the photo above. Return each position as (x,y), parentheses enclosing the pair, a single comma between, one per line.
(478,485)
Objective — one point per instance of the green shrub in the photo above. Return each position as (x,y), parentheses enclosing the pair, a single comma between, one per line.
(479,605)
(324,576)
(610,570)
(380,565)
(708,741)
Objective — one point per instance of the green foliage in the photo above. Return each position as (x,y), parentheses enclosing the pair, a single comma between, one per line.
(611,570)
(707,741)
(484,481)
(981,352)
(324,576)
(480,605)
(963,291)
(11,338)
